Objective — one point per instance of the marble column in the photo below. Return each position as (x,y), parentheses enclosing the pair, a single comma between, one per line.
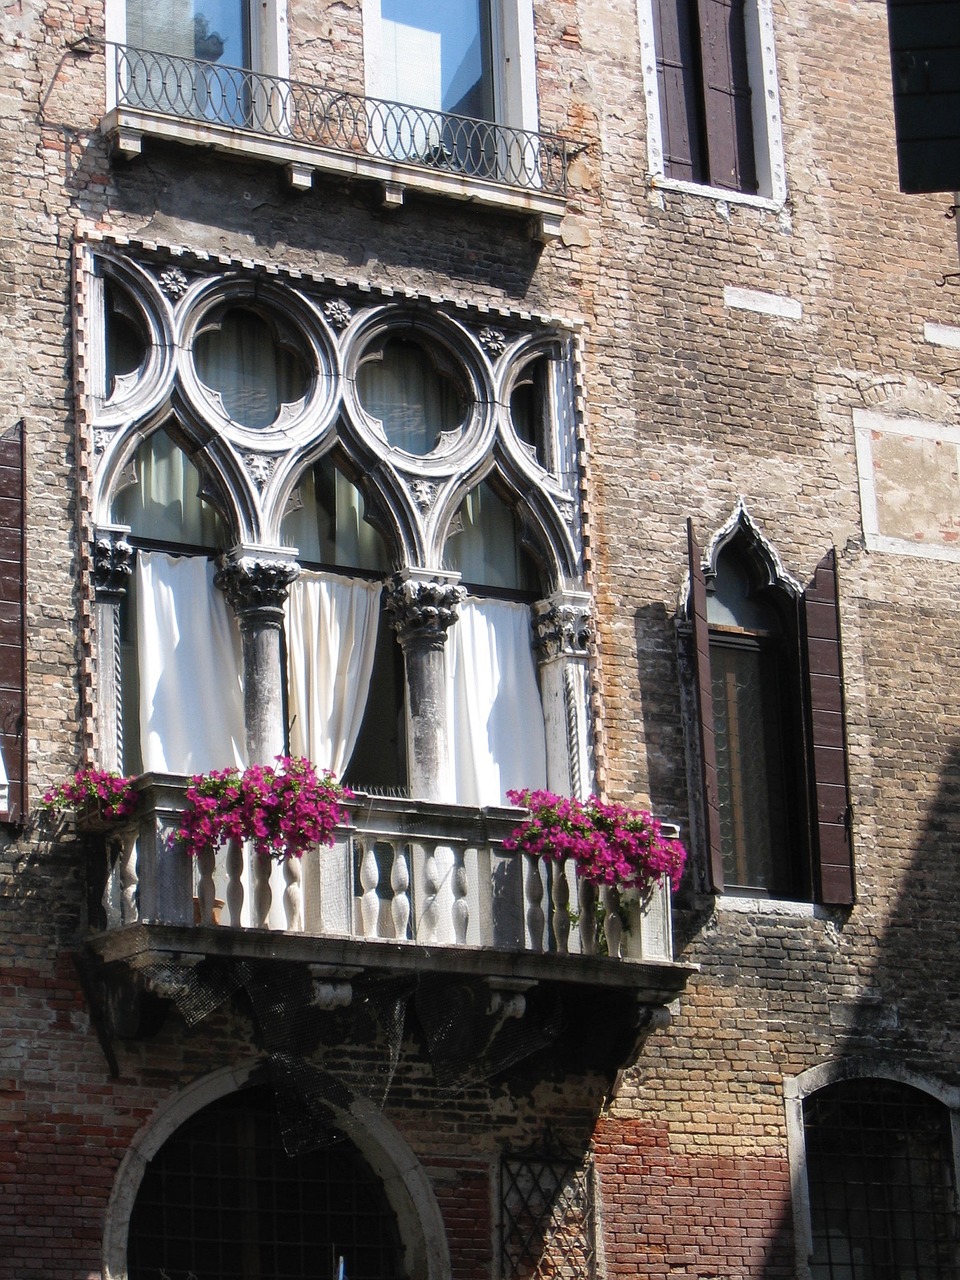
(256,585)
(562,625)
(113,559)
(423,606)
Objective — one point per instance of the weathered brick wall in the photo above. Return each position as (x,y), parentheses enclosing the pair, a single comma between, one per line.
(690,404)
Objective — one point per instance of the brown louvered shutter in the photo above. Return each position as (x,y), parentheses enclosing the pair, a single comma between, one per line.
(704,696)
(12,654)
(833,861)
(678,76)
(726,95)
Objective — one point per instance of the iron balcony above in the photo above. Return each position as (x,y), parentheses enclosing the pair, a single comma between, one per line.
(308,128)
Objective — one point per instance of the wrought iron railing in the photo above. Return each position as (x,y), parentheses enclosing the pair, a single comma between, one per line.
(332,119)
(401,871)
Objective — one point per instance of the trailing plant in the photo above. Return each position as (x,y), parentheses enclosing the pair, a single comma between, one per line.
(285,810)
(610,844)
(111,793)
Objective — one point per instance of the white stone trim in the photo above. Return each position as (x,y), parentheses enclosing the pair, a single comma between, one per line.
(865,424)
(405,1182)
(797,1088)
(765,98)
(941,335)
(768,304)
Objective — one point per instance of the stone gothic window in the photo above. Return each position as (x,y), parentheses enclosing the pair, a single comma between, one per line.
(348,539)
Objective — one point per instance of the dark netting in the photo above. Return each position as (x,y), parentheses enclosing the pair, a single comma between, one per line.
(474,1032)
(201,990)
(304,1094)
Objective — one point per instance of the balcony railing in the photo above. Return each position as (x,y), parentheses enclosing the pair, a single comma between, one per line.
(402,872)
(308,122)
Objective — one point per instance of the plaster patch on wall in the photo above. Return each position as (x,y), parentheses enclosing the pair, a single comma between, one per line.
(909,476)
(768,304)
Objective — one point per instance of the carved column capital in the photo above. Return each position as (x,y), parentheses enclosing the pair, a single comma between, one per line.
(112,565)
(422,610)
(563,626)
(256,587)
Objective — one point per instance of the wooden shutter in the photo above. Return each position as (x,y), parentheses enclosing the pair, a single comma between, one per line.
(704,699)
(12,649)
(726,95)
(833,851)
(678,76)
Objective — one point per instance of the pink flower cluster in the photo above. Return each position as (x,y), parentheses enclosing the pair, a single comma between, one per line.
(113,793)
(284,810)
(609,843)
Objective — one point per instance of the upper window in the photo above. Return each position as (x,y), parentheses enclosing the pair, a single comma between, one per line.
(881,1182)
(769,702)
(413,392)
(472,58)
(713,116)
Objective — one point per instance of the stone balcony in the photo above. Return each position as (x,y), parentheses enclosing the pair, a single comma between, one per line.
(310,129)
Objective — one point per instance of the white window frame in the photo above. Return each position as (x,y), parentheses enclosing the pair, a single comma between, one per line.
(514,60)
(269,45)
(765,103)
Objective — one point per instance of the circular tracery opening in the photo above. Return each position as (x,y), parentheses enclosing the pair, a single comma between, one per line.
(254,369)
(126,341)
(222,1200)
(415,392)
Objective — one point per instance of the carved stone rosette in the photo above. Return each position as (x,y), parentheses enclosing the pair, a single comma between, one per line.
(562,629)
(421,613)
(112,566)
(257,589)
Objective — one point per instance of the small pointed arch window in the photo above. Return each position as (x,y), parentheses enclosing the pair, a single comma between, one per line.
(484,544)
(253,363)
(126,344)
(758,728)
(179,641)
(414,390)
(767,689)
(344,669)
(533,404)
(326,521)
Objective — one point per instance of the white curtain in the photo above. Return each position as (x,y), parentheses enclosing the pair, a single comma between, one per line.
(493,700)
(339,535)
(415,403)
(190,662)
(165,502)
(331,627)
(240,358)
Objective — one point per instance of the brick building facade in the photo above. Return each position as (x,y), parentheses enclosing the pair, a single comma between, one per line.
(645,307)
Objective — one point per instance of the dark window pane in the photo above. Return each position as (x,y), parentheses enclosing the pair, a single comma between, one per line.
(751,786)
(224,1201)
(880,1178)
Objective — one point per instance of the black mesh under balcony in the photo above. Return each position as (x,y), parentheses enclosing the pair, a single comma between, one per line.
(322,119)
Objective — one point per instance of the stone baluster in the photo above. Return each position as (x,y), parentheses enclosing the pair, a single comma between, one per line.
(422,607)
(563,626)
(430,918)
(293,894)
(206,890)
(370,899)
(461,908)
(235,892)
(262,890)
(400,885)
(112,565)
(561,907)
(129,878)
(587,894)
(534,901)
(612,923)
